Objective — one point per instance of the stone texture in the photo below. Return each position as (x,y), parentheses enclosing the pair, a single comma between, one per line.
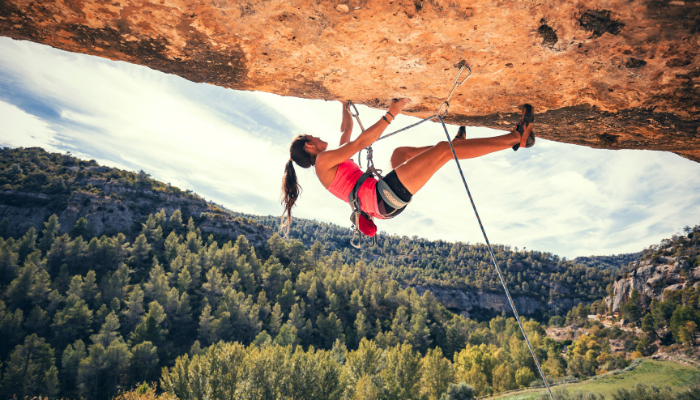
(463,302)
(654,279)
(608,74)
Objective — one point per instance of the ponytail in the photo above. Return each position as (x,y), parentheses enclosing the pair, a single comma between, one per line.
(290,193)
(290,187)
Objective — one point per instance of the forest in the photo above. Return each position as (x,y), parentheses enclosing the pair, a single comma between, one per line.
(86,316)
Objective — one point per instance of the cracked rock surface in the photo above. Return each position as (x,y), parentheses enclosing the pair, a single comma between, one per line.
(607,74)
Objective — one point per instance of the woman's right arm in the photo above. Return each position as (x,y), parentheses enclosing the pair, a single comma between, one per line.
(330,158)
(346,125)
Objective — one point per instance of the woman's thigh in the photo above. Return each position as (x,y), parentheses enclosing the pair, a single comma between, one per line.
(416,171)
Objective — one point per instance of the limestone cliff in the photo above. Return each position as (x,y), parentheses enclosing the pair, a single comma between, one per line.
(601,73)
(465,302)
(653,279)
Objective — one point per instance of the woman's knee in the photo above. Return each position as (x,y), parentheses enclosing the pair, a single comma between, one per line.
(443,146)
(398,156)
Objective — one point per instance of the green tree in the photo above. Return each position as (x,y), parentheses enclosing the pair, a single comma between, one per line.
(276,319)
(287,336)
(175,222)
(402,374)
(81,229)
(460,391)
(70,362)
(632,309)
(30,371)
(139,252)
(107,358)
(144,362)
(524,376)
(134,308)
(26,245)
(437,374)
(330,329)
(287,297)
(362,327)
(367,363)
(51,229)
(150,328)
(74,320)
(679,323)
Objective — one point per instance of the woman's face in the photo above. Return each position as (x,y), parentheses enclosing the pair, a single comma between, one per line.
(316,143)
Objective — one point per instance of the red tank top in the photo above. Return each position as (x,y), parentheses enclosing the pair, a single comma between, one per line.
(346,176)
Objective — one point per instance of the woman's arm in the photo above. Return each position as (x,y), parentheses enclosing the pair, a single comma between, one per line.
(346,125)
(330,158)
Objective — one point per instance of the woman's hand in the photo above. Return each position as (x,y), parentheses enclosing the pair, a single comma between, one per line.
(397,105)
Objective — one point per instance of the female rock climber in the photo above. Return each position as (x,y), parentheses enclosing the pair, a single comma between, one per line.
(412,166)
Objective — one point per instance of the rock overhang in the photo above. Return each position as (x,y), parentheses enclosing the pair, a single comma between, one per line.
(604,74)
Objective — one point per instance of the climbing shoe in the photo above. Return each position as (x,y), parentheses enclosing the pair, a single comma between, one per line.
(461,133)
(527,119)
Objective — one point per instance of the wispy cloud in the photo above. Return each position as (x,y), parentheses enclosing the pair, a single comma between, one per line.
(231,147)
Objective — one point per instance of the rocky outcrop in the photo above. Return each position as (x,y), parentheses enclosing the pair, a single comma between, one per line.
(461,301)
(601,73)
(654,279)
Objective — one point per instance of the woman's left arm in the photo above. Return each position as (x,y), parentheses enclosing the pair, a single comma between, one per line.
(346,125)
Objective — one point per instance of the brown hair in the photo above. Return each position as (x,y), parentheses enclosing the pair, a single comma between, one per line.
(290,187)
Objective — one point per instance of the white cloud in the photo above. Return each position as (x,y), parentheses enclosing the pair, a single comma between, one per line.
(21,129)
(231,147)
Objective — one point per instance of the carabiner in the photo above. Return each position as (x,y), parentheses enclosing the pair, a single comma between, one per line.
(446,104)
(464,65)
(371,241)
(347,107)
(352,240)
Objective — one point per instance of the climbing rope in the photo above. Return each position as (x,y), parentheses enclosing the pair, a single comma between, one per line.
(495,264)
(446,105)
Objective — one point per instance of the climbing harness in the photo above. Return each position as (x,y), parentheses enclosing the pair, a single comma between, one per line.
(439,116)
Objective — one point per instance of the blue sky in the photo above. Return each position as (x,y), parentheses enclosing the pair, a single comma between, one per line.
(231,147)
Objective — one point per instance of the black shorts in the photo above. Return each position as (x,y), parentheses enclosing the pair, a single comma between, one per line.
(399,189)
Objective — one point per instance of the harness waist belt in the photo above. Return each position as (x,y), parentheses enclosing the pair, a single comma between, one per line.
(389,196)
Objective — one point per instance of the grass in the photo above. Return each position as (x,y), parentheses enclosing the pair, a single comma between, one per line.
(649,372)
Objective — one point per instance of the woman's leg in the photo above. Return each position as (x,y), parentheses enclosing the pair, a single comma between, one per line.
(403,154)
(419,168)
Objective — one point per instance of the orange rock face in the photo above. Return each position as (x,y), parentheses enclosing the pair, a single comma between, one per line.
(609,74)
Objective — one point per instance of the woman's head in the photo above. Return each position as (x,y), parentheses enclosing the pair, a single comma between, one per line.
(303,151)
(305,148)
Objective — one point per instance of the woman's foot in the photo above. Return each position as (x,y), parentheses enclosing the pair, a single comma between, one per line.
(461,134)
(524,127)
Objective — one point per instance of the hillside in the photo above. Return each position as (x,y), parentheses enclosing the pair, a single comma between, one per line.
(613,262)
(34,184)
(83,316)
(462,276)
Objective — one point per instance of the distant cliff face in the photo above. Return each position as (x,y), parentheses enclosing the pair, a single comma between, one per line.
(601,73)
(112,207)
(653,279)
(462,301)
